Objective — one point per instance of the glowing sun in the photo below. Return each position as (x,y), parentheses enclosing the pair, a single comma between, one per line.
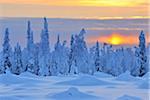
(115,39)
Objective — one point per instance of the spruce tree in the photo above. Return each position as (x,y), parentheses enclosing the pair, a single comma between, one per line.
(70,61)
(44,50)
(97,58)
(45,39)
(30,41)
(36,67)
(81,55)
(140,63)
(142,55)
(60,57)
(6,60)
(30,48)
(18,66)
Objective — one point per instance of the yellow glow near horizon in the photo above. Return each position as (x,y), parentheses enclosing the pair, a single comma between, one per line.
(115,39)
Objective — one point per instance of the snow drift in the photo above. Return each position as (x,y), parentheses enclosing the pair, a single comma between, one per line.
(127,97)
(85,81)
(74,94)
(126,77)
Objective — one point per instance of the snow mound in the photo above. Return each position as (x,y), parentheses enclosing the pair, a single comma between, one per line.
(28,74)
(146,76)
(85,81)
(102,75)
(127,97)
(9,79)
(126,77)
(74,94)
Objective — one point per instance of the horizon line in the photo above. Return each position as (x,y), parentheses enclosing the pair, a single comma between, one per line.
(86,18)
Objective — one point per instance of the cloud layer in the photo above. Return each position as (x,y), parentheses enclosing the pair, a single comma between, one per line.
(97,9)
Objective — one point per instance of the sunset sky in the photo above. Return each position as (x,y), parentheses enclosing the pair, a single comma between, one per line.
(75,8)
(115,32)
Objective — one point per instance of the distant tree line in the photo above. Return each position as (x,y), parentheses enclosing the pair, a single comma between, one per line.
(77,58)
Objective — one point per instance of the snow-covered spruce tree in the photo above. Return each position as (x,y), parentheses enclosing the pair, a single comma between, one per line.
(53,67)
(60,56)
(71,62)
(142,55)
(30,41)
(103,56)
(44,50)
(117,62)
(17,65)
(128,59)
(110,59)
(36,66)
(1,62)
(140,67)
(106,57)
(80,53)
(97,58)
(45,39)
(30,48)
(92,53)
(135,68)
(121,60)
(6,59)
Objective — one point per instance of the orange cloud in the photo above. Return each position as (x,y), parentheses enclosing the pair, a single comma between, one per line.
(23,10)
(95,9)
(118,3)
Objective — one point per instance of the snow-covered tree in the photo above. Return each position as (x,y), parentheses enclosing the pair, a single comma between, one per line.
(142,54)
(6,59)
(117,58)
(53,68)
(80,53)
(71,54)
(97,58)
(17,66)
(45,39)
(128,59)
(118,61)
(25,59)
(106,57)
(111,66)
(30,41)
(44,66)
(140,67)
(36,66)
(92,55)
(60,56)
(44,50)
(30,48)
(121,60)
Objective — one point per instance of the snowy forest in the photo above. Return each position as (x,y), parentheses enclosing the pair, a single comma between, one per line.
(41,60)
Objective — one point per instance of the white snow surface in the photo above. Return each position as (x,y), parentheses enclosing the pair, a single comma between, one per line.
(126,77)
(76,87)
(86,80)
(126,97)
(74,94)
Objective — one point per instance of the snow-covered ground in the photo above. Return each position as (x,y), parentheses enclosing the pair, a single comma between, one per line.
(100,86)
